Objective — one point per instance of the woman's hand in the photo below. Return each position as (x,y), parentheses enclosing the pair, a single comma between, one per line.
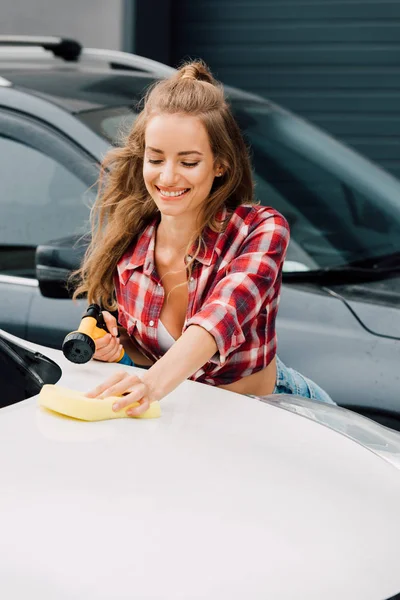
(108,347)
(130,387)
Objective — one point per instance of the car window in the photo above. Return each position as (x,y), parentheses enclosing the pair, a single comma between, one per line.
(330,222)
(39,202)
(46,195)
(112,123)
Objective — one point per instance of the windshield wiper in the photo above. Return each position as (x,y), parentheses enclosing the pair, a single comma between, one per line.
(366,270)
(379,263)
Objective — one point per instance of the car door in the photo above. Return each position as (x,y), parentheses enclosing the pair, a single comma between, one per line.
(47,189)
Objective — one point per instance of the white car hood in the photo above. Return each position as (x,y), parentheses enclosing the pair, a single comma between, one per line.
(223,497)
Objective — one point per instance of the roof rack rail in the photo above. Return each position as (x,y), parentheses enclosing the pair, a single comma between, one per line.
(71,50)
(64,48)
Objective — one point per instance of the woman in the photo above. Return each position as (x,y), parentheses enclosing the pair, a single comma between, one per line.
(190,261)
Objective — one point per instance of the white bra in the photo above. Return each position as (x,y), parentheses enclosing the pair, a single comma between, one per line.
(165,339)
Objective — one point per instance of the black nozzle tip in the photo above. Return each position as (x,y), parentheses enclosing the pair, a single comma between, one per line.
(78,347)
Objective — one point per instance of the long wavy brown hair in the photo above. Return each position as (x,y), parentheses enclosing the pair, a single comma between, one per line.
(124,208)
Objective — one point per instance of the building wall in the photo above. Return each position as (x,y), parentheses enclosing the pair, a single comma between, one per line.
(335,62)
(95,23)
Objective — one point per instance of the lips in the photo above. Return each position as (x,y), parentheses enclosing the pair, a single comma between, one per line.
(173,193)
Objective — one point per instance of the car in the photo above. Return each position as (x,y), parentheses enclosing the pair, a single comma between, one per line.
(63,106)
(222,497)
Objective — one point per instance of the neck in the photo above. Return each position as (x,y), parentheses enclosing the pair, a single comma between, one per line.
(174,235)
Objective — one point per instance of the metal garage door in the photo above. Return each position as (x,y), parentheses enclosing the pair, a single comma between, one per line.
(336,62)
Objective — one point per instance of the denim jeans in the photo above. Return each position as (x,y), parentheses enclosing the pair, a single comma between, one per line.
(289,381)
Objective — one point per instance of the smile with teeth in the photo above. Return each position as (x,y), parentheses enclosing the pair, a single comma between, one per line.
(174,194)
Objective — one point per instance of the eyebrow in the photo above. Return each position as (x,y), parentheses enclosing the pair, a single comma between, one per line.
(184,153)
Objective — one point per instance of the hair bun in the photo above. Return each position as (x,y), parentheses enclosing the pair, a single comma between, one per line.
(197,71)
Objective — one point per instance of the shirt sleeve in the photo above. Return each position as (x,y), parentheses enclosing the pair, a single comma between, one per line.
(247,286)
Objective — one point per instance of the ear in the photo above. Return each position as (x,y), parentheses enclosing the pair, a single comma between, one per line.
(219,170)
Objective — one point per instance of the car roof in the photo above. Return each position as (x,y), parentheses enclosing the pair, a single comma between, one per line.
(79,79)
(221,484)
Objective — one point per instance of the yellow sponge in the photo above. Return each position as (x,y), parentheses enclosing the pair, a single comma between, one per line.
(75,404)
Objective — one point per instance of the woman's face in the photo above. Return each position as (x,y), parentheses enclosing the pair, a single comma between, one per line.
(178,167)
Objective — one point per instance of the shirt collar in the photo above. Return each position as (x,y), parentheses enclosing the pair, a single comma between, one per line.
(141,254)
(143,251)
(209,251)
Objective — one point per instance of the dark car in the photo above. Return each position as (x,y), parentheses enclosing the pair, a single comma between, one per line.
(62,106)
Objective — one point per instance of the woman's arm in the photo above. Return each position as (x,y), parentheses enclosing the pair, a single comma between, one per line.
(191,351)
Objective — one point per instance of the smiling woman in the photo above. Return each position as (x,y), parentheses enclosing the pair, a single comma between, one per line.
(181,249)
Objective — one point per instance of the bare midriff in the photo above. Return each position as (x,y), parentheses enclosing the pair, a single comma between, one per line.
(261,383)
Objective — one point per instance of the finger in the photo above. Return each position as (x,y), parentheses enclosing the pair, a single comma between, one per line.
(111,354)
(111,323)
(102,342)
(106,384)
(137,394)
(135,411)
(104,347)
(124,386)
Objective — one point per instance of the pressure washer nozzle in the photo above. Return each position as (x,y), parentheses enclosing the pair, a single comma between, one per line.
(78,347)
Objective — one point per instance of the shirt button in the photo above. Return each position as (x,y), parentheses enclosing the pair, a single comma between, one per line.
(192,279)
(151,323)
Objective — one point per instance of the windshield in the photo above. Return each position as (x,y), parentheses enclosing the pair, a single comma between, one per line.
(341,208)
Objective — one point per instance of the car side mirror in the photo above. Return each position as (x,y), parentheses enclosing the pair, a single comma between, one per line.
(55,261)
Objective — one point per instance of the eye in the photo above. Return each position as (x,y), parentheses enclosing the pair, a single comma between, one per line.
(155,162)
(187,164)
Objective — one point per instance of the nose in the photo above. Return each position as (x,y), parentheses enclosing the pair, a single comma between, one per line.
(168,173)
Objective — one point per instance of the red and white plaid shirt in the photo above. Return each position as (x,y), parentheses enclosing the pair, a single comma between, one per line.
(233,292)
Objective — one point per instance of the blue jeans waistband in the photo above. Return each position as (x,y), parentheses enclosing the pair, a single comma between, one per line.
(289,381)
